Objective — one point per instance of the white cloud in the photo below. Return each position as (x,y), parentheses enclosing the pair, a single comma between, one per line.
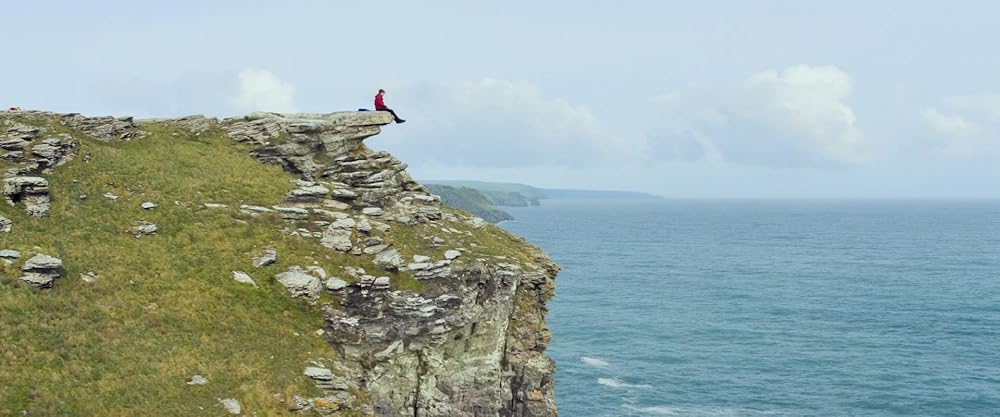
(498,123)
(261,90)
(949,125)
(797,116)
(968,128)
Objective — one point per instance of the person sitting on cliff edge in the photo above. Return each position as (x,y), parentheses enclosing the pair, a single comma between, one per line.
(380,106)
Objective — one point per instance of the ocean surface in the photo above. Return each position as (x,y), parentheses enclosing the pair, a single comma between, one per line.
(773,307)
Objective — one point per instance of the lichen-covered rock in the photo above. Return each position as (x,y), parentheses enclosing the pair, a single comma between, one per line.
(481,314)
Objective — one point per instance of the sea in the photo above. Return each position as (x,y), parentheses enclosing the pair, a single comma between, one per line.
(773,307)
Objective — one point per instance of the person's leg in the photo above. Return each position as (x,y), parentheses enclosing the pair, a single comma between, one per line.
(394,116)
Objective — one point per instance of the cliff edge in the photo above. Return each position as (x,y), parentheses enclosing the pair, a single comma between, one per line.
(270,264)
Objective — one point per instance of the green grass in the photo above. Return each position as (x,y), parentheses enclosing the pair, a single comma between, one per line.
(165,306)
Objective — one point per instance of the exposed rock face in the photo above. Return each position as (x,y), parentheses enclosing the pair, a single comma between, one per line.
(428,354)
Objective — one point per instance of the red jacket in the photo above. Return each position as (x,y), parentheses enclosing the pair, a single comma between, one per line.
(379,102)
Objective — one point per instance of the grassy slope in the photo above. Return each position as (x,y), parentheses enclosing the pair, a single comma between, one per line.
(165,307)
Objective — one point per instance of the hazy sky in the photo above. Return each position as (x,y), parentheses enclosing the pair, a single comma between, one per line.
(683,99)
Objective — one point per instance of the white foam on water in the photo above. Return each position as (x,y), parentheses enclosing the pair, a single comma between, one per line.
(595,362)
(617,383)
(663,410)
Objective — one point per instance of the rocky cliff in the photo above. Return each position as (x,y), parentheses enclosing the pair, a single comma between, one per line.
(425,310)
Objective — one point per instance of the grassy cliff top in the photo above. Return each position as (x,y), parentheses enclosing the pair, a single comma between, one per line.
(165,307)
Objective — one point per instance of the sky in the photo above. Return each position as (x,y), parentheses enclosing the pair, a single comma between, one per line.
(708,99)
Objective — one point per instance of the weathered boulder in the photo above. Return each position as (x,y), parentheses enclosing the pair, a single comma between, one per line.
(334,284)
(389,260)
(299,283)
(42,270)
(5,225)
(33,192)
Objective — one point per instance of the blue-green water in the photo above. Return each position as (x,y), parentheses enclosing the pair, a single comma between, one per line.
(785,308)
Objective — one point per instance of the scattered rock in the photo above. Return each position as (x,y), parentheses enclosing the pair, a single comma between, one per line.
(375,249)
(41,270)
(325,379)
(372,211)
(299,283)
(254,210)
(452,254)
(389,260)
(381,283)
(436,241)
(334,284)
(8,256)
(293,213)
(243,278)
(144,228)
(148,205)
(477,222)
(231,405)
(421,258)
(215,205)
(88,277)
(270,256)
(338,235)
(5,224)
(110,196)
(199,380)
(321,374)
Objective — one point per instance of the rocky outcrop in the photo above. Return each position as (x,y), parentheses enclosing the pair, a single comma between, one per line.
(30,192)
(471,344)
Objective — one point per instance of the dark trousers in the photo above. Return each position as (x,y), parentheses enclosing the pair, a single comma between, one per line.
(394,116)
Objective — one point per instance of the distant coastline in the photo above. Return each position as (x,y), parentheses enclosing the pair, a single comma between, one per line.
(485,199)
